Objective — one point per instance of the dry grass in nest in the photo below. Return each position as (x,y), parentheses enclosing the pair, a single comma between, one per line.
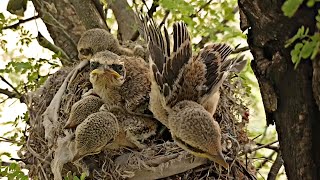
(162,155)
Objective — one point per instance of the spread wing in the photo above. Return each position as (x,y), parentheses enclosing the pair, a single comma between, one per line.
(180,56)
(218,65)
(165,67)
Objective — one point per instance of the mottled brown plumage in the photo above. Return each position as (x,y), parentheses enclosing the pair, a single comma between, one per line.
(134,129)
(82,109)
(185,89)
(96,40)
(94,133)
(127,87)
(112,128)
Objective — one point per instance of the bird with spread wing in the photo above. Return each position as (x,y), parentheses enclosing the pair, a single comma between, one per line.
(185,89)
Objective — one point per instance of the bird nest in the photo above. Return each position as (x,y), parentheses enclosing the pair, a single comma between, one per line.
(46,153)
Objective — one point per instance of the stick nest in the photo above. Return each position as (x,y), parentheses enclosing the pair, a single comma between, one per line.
(46,155)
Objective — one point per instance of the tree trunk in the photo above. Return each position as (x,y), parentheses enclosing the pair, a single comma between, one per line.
(287,93)
(63,24)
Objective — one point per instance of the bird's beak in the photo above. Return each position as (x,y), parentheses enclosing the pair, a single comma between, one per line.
(69,124)
(97,72)
(219,159)
(113,73)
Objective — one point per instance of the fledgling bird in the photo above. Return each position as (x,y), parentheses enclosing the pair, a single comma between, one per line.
(121,81)
(133,129)
(112,129)
(97,40)
(82,109)
(184,88)
(94,133)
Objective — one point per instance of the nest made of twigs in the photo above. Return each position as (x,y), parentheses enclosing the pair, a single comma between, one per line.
(161,155)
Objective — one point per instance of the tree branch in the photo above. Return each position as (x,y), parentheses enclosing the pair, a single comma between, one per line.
(9,93)
(65,60)
(89,14)
(167,12)
(9,84)
(274,170)
(13,26)
(125,18)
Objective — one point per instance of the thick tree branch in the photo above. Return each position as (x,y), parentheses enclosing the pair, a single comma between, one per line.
(89,14)
(65,60)
(287,92)
(67,32)
(9,93)
(125,18)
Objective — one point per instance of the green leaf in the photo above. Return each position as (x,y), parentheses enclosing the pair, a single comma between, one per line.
(290,7)
(301,33)
(307,49)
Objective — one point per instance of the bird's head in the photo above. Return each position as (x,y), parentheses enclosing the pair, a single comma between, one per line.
(194,130)
(94,41)
(107,69)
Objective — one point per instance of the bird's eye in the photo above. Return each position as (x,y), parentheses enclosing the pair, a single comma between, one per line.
(94,65)
(86,52)
(118,68)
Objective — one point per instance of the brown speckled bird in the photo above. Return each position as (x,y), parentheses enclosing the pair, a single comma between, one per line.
(94,133)
(184,88)
(112,129)
(82,109)
(121,81)
(96,40)
(134,129)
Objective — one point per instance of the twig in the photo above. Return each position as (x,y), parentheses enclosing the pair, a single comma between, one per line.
(274,170)
(43,172)
(153,8)
(205,39)
(21,22)
(265,161)
(257,148)
(200,9)
(8,140)
(246,48)
(274,148)
(9,84)
(167,12)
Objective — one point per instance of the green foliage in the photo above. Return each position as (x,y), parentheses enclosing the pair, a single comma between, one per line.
(12,172)
(290,7)
(307,45)
(213,22)
(73,176)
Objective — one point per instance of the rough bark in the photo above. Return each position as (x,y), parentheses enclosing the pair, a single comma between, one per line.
(125,18)
(287,93)
(62,22)
(89,14)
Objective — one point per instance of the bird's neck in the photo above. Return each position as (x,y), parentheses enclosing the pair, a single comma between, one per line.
(109,94)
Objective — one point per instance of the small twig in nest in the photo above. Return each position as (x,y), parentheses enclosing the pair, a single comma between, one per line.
(257,148)
(43,172)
